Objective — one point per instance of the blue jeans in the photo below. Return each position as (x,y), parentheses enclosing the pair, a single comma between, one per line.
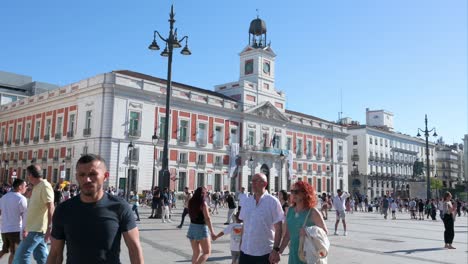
(33,244)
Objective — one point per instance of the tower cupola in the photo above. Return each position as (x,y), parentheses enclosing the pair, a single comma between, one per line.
(257,34)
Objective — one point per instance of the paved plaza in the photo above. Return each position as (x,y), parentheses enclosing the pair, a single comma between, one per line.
(371,239)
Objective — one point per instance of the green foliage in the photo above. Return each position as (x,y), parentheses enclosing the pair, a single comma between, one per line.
(436,184)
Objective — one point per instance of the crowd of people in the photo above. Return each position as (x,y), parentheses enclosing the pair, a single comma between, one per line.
(261,225)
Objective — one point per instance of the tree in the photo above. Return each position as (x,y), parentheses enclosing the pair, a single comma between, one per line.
(436,184)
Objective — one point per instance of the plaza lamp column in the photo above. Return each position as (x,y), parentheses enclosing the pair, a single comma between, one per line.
(281,171)
(154,140)
(129,155)
(426,135)
(6,172)
(251,164)
(172,42)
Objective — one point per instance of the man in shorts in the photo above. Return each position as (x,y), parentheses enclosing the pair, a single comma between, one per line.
(13,207)
(339,204)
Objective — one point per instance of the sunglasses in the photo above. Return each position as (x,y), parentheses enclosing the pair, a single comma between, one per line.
(295,191)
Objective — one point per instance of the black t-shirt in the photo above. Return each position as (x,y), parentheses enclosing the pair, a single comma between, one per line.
(92,231)
(231,202)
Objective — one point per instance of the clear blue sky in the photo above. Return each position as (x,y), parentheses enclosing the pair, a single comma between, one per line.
(407,57)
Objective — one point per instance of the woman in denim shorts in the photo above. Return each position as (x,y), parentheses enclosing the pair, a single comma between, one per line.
(200,222)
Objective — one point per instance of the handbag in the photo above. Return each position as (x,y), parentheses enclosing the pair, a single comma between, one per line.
(314,247)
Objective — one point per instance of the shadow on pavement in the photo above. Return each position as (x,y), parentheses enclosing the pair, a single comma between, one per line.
(210,259)
(411,251)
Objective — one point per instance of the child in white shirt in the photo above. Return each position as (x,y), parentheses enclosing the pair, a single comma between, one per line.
(235,229)
(394,207)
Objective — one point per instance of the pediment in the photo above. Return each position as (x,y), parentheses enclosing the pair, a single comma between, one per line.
(268,111)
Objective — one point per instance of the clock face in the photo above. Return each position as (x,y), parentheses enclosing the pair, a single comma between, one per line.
(266,67)
(248,67)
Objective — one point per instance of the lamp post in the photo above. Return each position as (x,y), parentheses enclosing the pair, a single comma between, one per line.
(154,140)
(63,172)
(127,185)
(281,171)
(171,43)
(251,164)
(6,172)
(426,135)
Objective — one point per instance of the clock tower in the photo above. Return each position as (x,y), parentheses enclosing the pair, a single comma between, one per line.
(256,83)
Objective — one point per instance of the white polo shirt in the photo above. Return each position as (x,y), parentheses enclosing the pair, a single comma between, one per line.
(259,220)
(339,202)
(13,206)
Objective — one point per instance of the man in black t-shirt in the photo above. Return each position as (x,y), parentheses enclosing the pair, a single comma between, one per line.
(92,223)
(231,205)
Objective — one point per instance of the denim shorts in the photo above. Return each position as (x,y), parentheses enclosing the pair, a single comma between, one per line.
(197,232)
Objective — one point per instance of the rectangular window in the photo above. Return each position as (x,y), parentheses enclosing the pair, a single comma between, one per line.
(183,131)
(182,180)
(319,185)
(200,180)
(299,147)
(183,158)
(218,160)
(59,125)
(277,141)
(319,149)
(48,127)
(18,132)
(37,129)
(370,140)
(44,173)
(328,185)
(134,122)
(201,159)
(355,140)
(309,148)
(28,131)
(251,138)
(233,136)
(288,143)
(218,136)
(162,125)
(327,150)
(10,134)
(71,125)
(201,134)
(381,142)
(55,176)
(88,119)
(3,135)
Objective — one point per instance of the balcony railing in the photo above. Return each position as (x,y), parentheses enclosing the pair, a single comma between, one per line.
(26,140)
(33,160)
(201,142)
(218,165)
(340,158)
(309,155)
(36,139)
(371,158)
(327,157)
(70,134)
(58,136)
(183,141)
(183,162)
(17,142)
(87,132)
(68,158)
(24,161)
(56,159)
(299,170)
(309,172)
(201,163)
(1,143)
(44,159)
(9,142)
(46,137)
(340,174)
(355,157)
(319,157)
(299,154)
(15,162)
(134,133)
(218,144)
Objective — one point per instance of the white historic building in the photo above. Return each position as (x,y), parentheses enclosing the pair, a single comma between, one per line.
(381,161)
(216,138)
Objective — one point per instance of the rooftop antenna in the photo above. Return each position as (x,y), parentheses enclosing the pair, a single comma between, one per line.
(340,114)
(258,10)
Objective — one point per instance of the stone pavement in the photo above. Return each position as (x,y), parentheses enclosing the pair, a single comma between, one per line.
(371,239)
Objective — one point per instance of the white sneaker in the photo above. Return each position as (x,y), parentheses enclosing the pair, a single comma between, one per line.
(345,233)
(336,233)
(164,221)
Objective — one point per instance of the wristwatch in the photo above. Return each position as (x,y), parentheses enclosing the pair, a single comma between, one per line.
(277,249)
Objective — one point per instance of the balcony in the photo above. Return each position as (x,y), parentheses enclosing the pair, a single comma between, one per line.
(183,162)
(201,142)
(319,157)
(1,143)
(24,161)
(355,157)
(26,140)
(340,174)
(15,162)
(46,137)
(58,136)
(87,132)
(309,155)
(340,158)
(319,172)
(299,154)
(70,134)
(299,170)
(327,158)
(17,142)
(8,142)
(134,133)
(183,141)
(309,172)
(371,158)
(33,160)
(218,166)
(44,159)
(218,144)
(36,139)
(68,157)
(201,164)
(56,159)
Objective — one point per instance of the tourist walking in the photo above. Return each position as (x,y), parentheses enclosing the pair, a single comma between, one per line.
(38,220)
(325,205)
(448,213)
(92,223)
(187,197)
(302,213)
(155,203)
(200,227)
(263,218)
(339,204)
(13,206)
(165,206)
(134,200)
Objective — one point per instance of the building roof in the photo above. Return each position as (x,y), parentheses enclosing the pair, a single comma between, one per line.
(181,85)
(287,111)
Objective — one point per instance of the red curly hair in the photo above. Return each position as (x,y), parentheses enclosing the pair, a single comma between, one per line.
(310,196)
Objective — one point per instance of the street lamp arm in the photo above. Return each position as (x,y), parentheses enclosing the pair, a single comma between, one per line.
(161,37)
(185,37)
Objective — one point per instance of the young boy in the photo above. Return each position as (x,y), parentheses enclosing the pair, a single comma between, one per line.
(394,207)
(235,229)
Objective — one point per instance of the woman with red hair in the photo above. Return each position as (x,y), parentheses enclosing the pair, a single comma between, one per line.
(304,200)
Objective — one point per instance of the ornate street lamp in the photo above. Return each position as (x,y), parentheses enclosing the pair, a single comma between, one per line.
(127,185)
(281,156)
(154,140)
(426,135)
(171,42)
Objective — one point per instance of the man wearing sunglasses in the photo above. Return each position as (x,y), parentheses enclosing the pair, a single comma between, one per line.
(262,215)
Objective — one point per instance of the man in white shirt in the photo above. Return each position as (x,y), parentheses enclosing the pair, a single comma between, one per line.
(262,215)
(339,204)
(13,207)
(242,196)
